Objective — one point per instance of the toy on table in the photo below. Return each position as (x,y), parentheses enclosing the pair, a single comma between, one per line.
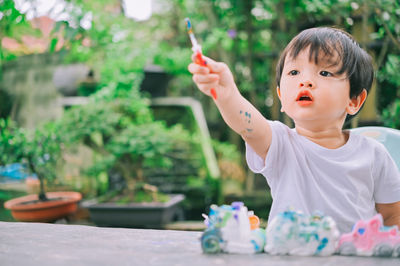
(294,233)
(232,229)
(197,51)
(371,238)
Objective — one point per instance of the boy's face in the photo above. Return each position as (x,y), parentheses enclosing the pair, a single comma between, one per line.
(312,92)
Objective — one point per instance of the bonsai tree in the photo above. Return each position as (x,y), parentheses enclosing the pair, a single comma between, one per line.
(125,138)
(38,150)
(136,147)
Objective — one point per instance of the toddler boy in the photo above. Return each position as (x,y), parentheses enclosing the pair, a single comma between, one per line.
(323,76)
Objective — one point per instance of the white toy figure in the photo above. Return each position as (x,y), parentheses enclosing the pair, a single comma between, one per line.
(232,229)
(293,233)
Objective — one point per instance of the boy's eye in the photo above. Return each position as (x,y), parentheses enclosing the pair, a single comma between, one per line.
(293,72)
(325,73)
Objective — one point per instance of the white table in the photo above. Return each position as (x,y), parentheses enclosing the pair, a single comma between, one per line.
(26,244)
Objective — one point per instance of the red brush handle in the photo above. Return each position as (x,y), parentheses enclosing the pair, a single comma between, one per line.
(199,60)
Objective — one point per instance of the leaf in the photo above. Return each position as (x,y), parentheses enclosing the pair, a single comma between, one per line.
(53,44)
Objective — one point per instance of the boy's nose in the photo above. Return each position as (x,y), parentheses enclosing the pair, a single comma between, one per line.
(307,84)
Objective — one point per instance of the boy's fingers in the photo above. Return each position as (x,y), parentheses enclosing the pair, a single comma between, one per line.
(205,79)
(197,69)
(212,65)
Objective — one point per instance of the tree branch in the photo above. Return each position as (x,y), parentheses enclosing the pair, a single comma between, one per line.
(395,41)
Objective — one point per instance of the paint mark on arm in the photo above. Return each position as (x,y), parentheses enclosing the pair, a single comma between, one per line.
(247,120)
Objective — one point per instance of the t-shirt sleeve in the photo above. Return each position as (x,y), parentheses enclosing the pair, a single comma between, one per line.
(266,167)
(387,182)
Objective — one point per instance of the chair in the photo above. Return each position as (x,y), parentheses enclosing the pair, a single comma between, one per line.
(389,137)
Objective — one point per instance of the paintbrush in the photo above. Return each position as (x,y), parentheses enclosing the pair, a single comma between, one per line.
(196,48)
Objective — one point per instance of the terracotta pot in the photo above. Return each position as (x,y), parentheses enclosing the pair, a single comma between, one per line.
(29,209)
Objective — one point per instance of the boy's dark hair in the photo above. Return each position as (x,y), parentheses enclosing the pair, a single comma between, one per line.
(354,61)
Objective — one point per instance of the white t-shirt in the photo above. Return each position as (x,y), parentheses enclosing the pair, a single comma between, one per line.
(344,183)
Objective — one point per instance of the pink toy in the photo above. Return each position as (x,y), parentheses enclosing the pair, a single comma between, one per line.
(371,238)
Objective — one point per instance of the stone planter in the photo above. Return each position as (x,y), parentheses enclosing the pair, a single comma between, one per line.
(31,209)
(142,215)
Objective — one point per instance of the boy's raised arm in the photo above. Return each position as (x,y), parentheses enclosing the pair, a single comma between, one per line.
(237,112)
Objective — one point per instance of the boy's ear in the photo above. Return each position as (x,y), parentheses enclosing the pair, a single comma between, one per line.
(356,103)
(278,91)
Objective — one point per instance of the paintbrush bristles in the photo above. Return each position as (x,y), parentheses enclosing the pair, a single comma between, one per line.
(188,24)
(196,47)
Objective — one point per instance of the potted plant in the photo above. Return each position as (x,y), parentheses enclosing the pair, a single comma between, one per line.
(40,152)
(125,140)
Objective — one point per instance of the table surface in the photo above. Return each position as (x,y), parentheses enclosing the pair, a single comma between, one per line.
(59,244)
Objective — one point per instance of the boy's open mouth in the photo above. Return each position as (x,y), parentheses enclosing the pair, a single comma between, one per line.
(304,98)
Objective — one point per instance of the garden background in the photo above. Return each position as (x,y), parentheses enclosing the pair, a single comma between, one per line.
(85,74)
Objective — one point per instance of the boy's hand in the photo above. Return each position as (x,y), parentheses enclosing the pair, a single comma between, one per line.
(215,75)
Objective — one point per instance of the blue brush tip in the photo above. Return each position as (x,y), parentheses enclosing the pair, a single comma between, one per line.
(188,24)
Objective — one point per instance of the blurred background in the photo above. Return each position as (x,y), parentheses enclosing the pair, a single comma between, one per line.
(110,78)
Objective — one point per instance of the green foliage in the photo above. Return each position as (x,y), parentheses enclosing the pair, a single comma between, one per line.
(391,115)
(10,17)
(189,174)
(387,17)
(124,135)
(40,149)
(227,151)
(390,72)
(173,59)
(12,139)
(388,75)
